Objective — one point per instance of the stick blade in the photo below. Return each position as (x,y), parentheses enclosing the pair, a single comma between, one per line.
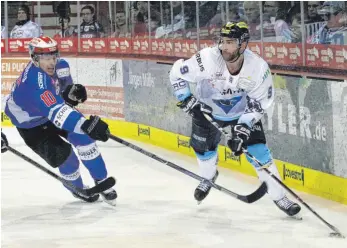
(100,187)
(256,195)
(336,235)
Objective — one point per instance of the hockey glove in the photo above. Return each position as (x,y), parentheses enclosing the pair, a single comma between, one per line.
(74,94)
(96,128)
(4,143)
(240,134)
(192,106)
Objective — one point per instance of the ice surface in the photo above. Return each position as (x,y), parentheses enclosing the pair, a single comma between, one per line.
(155,208)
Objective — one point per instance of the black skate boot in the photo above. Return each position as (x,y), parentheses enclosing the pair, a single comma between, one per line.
(109,196)
(287,206)
(92,198)
(203,189)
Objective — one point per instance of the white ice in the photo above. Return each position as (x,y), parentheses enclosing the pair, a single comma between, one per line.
(155,208)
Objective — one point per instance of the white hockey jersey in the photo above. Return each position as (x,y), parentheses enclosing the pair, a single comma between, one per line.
(28,30)
(244,97)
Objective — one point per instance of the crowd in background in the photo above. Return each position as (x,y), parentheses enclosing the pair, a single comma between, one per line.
(318,22)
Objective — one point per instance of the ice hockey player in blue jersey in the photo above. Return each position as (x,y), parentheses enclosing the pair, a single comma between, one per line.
(41,106)
(234,87)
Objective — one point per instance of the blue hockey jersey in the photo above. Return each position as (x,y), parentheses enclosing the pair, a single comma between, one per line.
(36,98)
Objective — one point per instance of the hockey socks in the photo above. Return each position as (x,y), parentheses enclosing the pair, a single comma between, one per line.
(93,161)
(69,170)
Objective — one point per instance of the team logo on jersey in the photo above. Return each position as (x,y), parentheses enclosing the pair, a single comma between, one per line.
(64,72)
(218,76)
(231,92)
(88,152)
(86,28)
(40,80)
(180,85)
(199,60)
(227,104)
(266,74)
(253,106)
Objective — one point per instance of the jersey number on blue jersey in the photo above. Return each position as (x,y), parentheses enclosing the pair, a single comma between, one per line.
(48,98)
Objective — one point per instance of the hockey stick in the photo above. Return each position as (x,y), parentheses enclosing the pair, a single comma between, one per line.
(336,232)
(259,193)
(102,186)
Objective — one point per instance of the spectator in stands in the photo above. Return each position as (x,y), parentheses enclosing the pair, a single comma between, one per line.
(67,30)
(207,11)
(268,21)
(252,12)
(294,20)
(180,22)
(24,27)
(233,15)
(270,10)
(139,13)
(312,7)
(154,23)
(121,29)
(90,28)
(335,30)
(276,14)
(3,32)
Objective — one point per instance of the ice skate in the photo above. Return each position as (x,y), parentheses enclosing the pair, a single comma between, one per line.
(203,189)
(109,196)
(89,199)
(289,207)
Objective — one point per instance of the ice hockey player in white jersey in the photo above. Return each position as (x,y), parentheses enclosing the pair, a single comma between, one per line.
(235,87)
(24,27)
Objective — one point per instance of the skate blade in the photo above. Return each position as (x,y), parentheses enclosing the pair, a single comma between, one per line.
(112,203)
(295,217)
(198,202)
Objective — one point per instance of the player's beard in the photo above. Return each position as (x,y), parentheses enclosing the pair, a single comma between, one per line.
(231,57)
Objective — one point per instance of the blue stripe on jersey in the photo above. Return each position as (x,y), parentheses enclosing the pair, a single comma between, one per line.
(21,118)
(225,118)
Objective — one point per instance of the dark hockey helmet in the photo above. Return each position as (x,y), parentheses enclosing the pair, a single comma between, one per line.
(236,30)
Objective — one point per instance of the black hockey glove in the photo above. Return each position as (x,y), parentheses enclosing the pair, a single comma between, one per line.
(74,94)
(192,106)
(240,134)
(96,128)
(4,143)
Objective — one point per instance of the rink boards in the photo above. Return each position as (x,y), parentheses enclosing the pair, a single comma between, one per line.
(300,178)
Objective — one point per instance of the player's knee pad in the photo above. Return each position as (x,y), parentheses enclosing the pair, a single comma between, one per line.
(261,152)
(203,139)
(88,152)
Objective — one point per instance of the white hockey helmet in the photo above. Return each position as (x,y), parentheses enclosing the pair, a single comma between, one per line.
(42,45)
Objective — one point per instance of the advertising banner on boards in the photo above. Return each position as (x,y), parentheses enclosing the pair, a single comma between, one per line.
(149,97)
